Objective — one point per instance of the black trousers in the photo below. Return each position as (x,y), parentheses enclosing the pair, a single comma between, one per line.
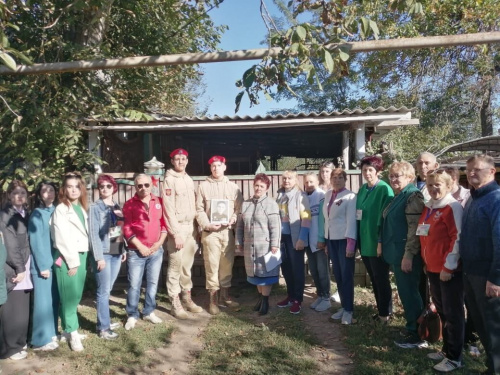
(14,322)
(378,270)
(485,312)
(449,301)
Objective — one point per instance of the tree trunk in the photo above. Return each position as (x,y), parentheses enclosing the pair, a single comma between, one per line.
(486,112)
(91,31)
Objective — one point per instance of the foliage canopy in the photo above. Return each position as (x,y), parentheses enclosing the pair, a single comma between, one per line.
(39,134)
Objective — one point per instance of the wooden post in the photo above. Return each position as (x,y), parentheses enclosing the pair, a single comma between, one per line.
(360,142)
(345,148)
(251,54)
(95,148)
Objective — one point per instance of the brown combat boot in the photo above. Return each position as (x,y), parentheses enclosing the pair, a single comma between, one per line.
(225,300)
(213,309)
(188,302)
(177,310)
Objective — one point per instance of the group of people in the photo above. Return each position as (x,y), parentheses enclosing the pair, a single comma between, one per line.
(414,223)
(440,240)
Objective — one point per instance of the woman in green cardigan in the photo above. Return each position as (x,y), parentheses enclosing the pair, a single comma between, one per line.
(400,246)
(373,197)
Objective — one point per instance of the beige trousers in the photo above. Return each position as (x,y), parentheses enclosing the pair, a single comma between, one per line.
(218,254)
(181,261)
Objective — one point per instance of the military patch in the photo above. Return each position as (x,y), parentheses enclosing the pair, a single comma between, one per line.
(168,192)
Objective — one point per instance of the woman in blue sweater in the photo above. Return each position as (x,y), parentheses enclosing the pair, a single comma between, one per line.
(46,297)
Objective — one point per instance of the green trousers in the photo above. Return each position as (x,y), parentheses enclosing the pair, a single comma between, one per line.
(70,291)
(408,290)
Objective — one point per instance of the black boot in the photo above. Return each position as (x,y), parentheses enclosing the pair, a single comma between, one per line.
(258,304)
(264,306)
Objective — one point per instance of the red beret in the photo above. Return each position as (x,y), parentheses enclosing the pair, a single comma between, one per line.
(179,151)
(214,159)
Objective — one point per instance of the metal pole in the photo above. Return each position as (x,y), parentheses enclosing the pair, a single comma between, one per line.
(251,54)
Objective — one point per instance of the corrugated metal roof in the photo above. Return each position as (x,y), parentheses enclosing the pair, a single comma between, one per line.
(491,143)
(346,113)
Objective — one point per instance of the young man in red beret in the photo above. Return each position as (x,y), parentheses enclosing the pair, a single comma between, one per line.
(179,211)
(218,239)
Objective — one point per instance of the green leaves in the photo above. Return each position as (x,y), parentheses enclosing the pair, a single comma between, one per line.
(7,60)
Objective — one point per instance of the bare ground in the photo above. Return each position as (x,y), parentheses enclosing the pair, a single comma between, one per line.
(186,343)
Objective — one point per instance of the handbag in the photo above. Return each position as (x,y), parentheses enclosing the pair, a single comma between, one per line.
(429,324)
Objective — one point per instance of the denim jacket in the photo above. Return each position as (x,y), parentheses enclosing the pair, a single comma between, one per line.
(100,220)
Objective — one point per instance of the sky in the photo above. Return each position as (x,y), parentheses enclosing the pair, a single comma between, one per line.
(246,31)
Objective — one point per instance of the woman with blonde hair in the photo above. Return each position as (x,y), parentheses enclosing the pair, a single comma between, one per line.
(295,217)
(325,173)
(400,246)
(337,228)
(69,230)
(439,232)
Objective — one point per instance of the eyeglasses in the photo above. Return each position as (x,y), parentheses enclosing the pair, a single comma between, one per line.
(140,186)
(475,170)
(395,176)
(107,186)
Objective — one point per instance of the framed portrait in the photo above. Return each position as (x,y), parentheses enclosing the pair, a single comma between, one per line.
(219,211)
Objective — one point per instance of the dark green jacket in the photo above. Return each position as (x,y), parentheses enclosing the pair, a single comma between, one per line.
(371,203)
(399,225)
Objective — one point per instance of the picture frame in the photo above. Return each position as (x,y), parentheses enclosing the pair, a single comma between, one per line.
(219,211)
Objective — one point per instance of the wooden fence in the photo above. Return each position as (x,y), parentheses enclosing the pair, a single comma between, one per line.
(126,190)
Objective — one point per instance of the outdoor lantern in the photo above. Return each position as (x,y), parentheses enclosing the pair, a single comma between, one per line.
(155,169)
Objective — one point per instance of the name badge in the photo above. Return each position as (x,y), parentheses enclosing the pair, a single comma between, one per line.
(423,229)
(359,214)
(158,206)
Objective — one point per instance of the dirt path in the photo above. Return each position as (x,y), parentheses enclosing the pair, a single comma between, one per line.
(186,345)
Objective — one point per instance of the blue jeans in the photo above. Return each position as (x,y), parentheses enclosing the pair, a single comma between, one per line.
(105,279)
(318,266)
(136,266)
(292,267)
(343,270)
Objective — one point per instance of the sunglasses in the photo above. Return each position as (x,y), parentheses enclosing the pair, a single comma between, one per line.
(140,186)
(73,175)
(107,186)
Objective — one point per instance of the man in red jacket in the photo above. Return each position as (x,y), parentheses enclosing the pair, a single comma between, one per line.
(145,231)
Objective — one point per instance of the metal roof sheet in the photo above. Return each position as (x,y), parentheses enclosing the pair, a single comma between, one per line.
(381,118)
(346,112)
(490,143)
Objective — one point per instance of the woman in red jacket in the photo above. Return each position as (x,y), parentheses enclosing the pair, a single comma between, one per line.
(439,232)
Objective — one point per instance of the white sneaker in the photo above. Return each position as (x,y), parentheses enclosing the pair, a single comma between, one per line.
(324,305)
(115,325)
(47,347)
(130,323)
(338,315)
(347,317)
(335,297)
(65,336)
(474,351)
(152,318)
(315,303)
(18,356)
(447,365)
(75,342)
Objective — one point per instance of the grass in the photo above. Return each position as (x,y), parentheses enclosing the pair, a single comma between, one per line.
(131,351)
(373,350)
(236,344)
